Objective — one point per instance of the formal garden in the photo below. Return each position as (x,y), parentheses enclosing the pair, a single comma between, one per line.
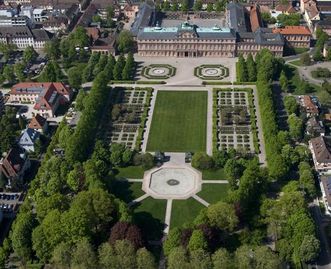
(158,71)
(129,110)
(234,120)
(211,72)
(179,122)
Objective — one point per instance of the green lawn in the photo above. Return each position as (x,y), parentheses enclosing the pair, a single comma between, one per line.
(179,122)
(184,211)
(296,63)
(214,174)
(126,191)
(130,172)
(149,216)
(213,193)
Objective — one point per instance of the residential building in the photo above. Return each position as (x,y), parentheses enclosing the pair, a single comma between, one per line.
(314,127)
(295,36)
(324,7)
(309,106)
(46,97)
(270,3)
(325,184)
(22,37)
(28,139)
(130,11)
(285,9)
(311,13)
(14,165)
(321,152)
(38,123)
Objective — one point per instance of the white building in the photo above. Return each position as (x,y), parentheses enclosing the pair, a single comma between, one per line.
(321,151)
(22,37)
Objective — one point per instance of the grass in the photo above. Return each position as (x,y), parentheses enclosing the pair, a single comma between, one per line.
(130,172)
(212,193)
(149,216)
(300,50)
(214,174)
(126,191)
(184,211)
(296,63)
(179,122)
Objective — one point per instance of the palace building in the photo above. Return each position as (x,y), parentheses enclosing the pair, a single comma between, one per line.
(186,41)
(241,34)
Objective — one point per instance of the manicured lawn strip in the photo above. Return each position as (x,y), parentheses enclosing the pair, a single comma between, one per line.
(184,211)
(213,193)
(126,191)
(179,122)
(149,216)
(130,172)
(214,174)
(296,63)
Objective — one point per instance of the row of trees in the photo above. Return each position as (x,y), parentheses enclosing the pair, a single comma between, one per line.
(122,69)
(246,69)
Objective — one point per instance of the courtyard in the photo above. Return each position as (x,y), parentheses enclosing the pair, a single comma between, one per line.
(185,69)
(179,122)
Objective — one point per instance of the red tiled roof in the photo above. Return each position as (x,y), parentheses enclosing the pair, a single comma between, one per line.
(292,30)
(255,18)
(309,105)
(37,122)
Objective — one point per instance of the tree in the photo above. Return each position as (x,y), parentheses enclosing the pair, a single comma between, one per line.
(119,67)
(295,126)
(19,71)
(210,7)
(172,241)
(200,259)
(242,75)
(305,59)
(29,54)
(223,216)
(125,41)
(21,235)
(83,256)
(52,49)
(126,231)
(62,255)
(75,77)
(233,170)
(291,105)
(220,158)
(318,55)
(110,14)
(178,259)
(202,161)
(265,258)
(8,72)
(185,5)
(174,6)
(125,255)
(283,81)
(251,68)
(197,241)
(145,259)
(309,249)
(76,178)
(197,6)
(222,259)
(81,96)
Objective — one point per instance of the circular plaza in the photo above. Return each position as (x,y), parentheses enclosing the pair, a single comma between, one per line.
(172,182)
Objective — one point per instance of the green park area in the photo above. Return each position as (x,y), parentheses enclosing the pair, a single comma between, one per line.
(213,193)
(179,122)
